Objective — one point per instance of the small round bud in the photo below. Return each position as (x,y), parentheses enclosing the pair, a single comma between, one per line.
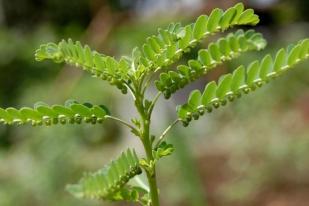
(209,109)
(93,119)
(246,90)
(47,122)
(201,109)
(259,83)
(253,87)
(238,94)
(216,105)
(55,121)
(189,116)
(63,121)
(231,97)
(78,118)
(195,116)
(167,94)
(185,123)
(87,119)
(223,102)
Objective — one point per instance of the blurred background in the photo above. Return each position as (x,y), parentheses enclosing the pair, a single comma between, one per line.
(252,152)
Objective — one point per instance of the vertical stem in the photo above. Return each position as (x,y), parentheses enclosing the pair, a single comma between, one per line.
(145,137)
(153,189)
(152,181)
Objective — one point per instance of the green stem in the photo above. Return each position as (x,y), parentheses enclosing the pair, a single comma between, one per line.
(166,131)
(153,189)
(145,138)
(150,176)
(122,122)
(154,101)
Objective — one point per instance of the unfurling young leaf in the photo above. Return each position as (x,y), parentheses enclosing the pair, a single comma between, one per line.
(163,150)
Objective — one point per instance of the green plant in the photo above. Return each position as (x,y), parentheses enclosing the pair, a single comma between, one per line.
(135,74)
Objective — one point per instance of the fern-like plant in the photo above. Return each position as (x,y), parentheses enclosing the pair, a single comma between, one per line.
(136,72)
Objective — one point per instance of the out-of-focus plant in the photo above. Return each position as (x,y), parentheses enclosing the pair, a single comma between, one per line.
(136,73)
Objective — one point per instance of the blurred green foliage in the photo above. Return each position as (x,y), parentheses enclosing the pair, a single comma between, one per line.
(242,159)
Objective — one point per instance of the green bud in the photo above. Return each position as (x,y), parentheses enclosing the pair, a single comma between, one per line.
(185,123)
(231,97)
(195,116)
(223,102)
(216,105)
(246,90)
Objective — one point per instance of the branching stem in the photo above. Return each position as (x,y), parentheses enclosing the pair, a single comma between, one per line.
(131,90)
(147,83)
(154,101)
(166,131)
(122,122)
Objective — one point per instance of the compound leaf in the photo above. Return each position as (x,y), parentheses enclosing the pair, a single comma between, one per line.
(72,112)
(223,50)
(177,40)
(99,65)
(109,182)
(233,85)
